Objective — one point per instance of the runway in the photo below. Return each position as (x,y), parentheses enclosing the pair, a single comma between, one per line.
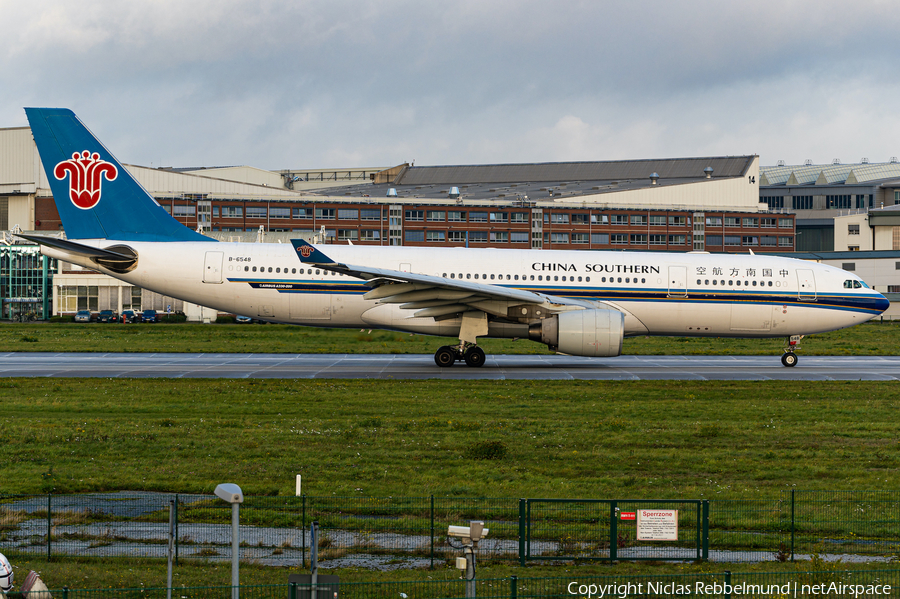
(404,366)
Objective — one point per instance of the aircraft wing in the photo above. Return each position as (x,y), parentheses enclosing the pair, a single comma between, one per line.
(439,296)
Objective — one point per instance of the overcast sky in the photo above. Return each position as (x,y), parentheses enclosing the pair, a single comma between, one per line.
(318,84)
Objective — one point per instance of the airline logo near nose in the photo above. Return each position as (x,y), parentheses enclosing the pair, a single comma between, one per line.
(85,171)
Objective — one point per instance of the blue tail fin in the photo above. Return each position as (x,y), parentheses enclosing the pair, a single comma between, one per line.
(96,197)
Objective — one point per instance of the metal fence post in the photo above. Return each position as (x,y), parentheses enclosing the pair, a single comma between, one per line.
(303,536)
(706,530)
(793,527)
(727,583)
(176,529)
(522,532)
(292,590)
(613,532)
(65,592)
(432,531)
(49,524)
(513,586)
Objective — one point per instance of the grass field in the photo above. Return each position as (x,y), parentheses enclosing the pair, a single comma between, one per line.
(669,439)
(868,339)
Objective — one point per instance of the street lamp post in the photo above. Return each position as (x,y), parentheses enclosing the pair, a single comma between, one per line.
(232,494)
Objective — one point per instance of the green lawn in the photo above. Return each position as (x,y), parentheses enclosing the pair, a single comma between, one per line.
(673,439)
(868,339)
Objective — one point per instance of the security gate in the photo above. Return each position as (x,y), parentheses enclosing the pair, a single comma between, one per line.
(595,529)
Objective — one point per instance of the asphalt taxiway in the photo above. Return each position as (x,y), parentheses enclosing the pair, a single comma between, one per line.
(407,366)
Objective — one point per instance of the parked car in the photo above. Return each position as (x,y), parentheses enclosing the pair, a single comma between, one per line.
(149,316)
(243,319)
(83,316)
(107,316)
(130,316)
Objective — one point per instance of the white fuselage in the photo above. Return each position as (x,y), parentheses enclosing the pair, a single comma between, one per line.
(693,294)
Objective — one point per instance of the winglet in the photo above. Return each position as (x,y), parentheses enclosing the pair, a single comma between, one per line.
(308,253)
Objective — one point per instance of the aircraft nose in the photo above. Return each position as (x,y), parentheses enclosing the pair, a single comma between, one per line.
(882,303)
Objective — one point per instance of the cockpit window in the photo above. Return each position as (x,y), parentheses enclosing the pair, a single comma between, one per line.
(857,285)
(848,284)
(851,284)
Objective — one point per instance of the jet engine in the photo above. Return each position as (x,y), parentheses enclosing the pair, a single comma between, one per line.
(594,333)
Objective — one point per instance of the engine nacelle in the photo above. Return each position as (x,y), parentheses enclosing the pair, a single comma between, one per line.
(594,333)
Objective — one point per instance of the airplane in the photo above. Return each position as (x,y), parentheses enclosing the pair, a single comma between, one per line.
(581,303)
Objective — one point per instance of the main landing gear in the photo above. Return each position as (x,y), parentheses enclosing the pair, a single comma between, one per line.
(789,358)
(447,355)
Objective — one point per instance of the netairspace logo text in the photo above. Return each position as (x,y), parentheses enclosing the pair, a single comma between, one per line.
(626,589)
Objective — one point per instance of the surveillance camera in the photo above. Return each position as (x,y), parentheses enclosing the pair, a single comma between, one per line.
(230,492)
(476,531)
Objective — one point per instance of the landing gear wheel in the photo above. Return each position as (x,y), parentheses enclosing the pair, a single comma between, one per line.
(789,359)
(474,357)
(445,357)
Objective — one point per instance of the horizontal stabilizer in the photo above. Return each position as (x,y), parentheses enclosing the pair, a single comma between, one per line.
(76,248)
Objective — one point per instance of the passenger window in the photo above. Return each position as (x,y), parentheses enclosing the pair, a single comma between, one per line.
(579,279)
(770,283)
(317,271)
(468,276)
(293,271)
(452,275)
(246,269)
(620,279)
(540,278)
(555,278)
(699,282)
(476,276)
(714,282)
(627,279)
(516,277)
(588,279)
(532,277)
(492,277)
(507,277)
(754,283)
(254,269)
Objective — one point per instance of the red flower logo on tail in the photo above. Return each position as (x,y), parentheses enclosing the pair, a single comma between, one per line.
(305,251)
(86,171)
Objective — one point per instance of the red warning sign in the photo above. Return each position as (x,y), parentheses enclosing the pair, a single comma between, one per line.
(627,515)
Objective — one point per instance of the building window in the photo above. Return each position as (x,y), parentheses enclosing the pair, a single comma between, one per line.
(347,235)
(852,229)
(559,238)
(435,236)
(618,239)
(369,214)
(732,221)
(715,240)
(639,239)
(767,240)
(457,236)
(839,201)
(600,238)
(638,220)
(893,288)
(599,219)
(325,213)
(785,242)
(751,223)
(369,235)
(619,219)
(677,239)
(301,212)
(185,210)
(732,240)
(750,240)
(518,217)
(785,223)
(657,240)
(579,219)
(256,212)
(678,221)
(455,216)
(499,217)
(478,236)
(499,237)
(518,237)
(803,202)
(767,223)
(415,215)
(348,214)
(580,238)
(713,221)
(774,202)
(849,266)
(557,218)
(436,216)
(478,217)
(215,211)
(852,248)
(279,212)
(413,236)
(657,220)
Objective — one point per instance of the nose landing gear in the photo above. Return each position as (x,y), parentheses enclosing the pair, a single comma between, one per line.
(789,358)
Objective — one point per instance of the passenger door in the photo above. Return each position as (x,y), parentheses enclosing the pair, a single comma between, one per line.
(678,281)
(806,285)
(212,267)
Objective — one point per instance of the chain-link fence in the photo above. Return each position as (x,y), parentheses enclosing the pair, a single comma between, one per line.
(832,583)
(374,530)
